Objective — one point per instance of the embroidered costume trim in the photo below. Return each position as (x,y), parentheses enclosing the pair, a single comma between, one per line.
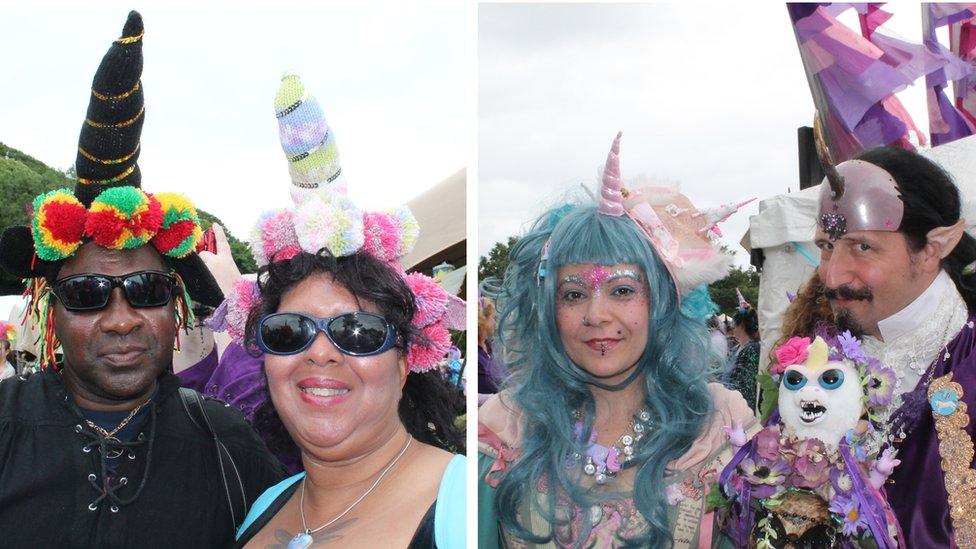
(956,449)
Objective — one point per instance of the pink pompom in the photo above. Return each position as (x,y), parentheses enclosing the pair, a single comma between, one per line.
(430,297)
(242,299)
(274,237)
(383,235)
(429,348)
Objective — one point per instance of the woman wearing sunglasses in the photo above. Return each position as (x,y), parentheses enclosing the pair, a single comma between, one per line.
(337,349)
(607,434)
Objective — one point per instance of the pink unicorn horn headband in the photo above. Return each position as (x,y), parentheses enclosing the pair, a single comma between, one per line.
(611,195)
(682,235)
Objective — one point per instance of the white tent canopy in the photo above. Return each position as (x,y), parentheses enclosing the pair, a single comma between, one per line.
(440,211)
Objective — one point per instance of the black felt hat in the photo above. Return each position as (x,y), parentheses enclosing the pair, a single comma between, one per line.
(108,151)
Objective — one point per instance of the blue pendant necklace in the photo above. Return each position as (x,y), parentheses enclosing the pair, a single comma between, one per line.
(303,539)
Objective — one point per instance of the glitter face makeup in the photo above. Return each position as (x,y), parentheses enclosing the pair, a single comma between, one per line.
(594,277)
(602,314)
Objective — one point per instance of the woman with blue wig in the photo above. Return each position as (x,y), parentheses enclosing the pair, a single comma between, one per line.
(608,433)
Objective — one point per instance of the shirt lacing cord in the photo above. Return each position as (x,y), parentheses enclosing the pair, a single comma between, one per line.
(104,486)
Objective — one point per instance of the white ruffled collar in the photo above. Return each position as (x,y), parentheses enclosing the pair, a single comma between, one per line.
(906,321)
(914,336)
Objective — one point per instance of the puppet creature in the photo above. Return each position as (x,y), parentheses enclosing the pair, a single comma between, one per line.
(806,480)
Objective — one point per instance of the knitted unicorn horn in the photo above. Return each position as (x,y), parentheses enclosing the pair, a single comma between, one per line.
(611,199)
(307,140)
(108,146)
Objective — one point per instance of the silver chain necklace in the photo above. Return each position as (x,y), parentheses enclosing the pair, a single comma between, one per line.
(303,539)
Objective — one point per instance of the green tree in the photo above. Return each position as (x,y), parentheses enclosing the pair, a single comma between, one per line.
(723,291)
(23,177)
(239,249)
(494,264)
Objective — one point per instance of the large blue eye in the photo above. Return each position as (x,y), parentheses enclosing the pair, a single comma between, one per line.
(831,379)
(794,380)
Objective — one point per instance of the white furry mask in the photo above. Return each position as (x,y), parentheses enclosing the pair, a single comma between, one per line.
(822,402)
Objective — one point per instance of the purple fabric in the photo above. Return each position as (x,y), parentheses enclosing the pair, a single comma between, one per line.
(866,500)
(238,379)
(917,494)
(743,513)
(849,87)
(946,123)
(490,372)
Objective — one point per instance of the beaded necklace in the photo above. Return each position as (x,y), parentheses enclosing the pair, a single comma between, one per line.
(602,462)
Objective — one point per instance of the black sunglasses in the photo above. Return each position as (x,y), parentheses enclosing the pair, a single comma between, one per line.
(354,334)
(91,292)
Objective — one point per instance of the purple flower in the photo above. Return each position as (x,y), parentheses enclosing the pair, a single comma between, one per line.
(850,512)
(767,443)
(766,477)
(880,383)
(841,480)
(851,347)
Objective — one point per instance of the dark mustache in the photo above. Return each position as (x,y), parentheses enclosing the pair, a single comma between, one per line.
(850,294)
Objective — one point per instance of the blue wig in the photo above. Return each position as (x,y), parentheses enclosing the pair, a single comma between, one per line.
(548,387)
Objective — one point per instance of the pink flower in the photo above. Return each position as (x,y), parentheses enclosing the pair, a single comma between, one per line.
(792,352)
(811,466)
(767,443)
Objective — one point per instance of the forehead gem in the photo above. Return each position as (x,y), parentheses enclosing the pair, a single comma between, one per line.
(834,224)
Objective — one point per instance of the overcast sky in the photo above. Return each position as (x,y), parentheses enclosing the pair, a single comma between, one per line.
(708,96)
(392,80)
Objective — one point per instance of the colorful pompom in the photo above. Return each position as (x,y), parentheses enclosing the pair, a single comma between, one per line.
(409,229)
(429,347)
(123,217)
(430,297)
(273,237)
(58,224)
(334,224)
(180,231)
(382,235)
(243,297)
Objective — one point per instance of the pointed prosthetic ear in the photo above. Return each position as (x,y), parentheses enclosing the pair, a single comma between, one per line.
(946,238)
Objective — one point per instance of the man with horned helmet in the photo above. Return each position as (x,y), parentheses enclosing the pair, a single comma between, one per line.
(896,267)
(103,449)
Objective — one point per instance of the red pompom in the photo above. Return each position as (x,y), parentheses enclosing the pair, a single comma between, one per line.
(65,221)
(174,235)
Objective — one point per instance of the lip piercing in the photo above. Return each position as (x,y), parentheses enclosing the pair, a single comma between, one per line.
(603,349)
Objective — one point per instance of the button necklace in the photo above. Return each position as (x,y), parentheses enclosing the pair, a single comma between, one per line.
(303,539)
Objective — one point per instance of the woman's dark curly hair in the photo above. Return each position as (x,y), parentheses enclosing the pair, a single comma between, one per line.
(429,405)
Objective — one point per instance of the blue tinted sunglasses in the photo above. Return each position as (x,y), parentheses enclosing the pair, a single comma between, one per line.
(353,334)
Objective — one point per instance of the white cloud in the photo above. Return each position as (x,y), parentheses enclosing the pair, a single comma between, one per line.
(392,81)
(708,95)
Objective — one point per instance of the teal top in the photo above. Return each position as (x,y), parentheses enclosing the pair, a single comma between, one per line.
(449,511)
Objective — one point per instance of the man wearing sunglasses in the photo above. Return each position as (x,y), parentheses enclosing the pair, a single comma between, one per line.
(100,448)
